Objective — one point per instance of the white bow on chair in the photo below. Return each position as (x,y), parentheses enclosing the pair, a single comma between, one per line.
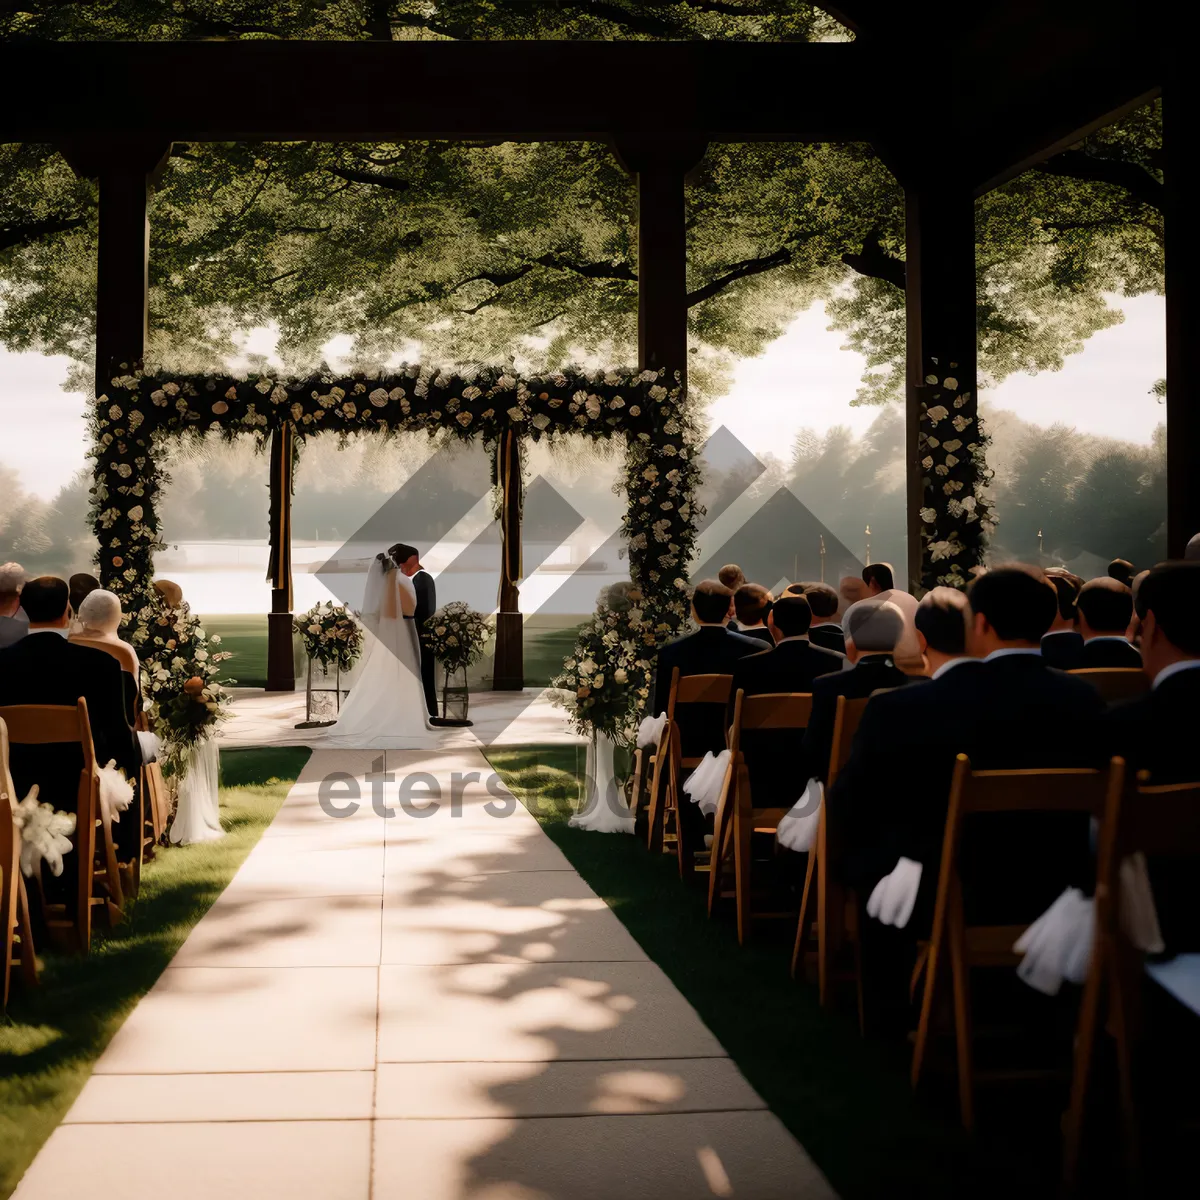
(45,834)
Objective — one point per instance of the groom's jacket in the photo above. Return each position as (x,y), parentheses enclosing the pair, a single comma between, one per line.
(426,598)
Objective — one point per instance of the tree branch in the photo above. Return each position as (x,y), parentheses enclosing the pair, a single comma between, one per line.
(876,263)
(1090,168)
(374,178)
(742,270)
(597,270)
(31,231)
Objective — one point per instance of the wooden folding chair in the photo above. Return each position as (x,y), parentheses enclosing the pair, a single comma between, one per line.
(686,690)
(1116,683)
(15,928)
(655,768)
(1051,791)
(154,788)
(836,921)
(98,875)
(778,713)
(1163,822)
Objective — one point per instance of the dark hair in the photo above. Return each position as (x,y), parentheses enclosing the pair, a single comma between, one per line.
(711,601)
(881,575)
(941,618)
(822,599)
(792,615)
(1121,569)
(401,552)
(796,589)
(1106,604)
(731,576)
(751,603)
(1067,586)
(45,599)
(1172,593)
(80,586)
(1017,600)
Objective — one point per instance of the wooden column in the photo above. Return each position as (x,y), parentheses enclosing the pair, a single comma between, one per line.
(508,674)
(281,670)
(661,168)
(940,320)
(1180,127)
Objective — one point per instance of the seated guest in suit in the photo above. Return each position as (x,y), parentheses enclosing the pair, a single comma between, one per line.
(878,577)
(794,662)
(873,627)
(851,590)
(711,650)
(1008,710)
(751,604)
(1121,569)
(14,624)
(1062,645)
(1134,632)
(99,619)
(731,576)
(44,668)
(941,622)
(826,630)
(1156,732)
(1105,609)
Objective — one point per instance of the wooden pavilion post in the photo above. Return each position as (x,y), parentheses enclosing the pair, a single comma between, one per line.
(1183,311)
(281,670)
(508,674)
(940,320)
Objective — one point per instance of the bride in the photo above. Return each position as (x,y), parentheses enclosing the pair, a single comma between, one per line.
(386,706)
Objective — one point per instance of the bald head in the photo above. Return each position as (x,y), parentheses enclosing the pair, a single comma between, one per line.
(852,589)
(874,626)
(1192,553)
(1105,607)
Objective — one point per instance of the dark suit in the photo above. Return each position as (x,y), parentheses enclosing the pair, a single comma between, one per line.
(759,631)
(828,636)
(792,666)
(872,672)
(890,799)
(1156,733)
(1100,652)
(44,668)
(1063,649)
(711,650)
(426,607)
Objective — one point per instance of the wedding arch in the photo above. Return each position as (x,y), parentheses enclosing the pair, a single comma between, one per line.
(141,412)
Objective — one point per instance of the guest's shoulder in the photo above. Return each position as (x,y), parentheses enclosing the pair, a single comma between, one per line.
(823,652)
(751,645)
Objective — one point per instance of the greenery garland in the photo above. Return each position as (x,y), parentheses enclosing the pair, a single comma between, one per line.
(142,410)
(957,517)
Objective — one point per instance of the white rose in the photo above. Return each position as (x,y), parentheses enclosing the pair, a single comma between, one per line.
(928,515)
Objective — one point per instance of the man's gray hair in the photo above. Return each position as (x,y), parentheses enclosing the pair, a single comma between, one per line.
(12,578)
(1192,551)
(874,625)
(100,610)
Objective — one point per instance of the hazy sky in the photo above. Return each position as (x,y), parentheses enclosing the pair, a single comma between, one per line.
(803,379)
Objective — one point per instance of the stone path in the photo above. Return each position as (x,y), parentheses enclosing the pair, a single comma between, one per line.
(423,1008)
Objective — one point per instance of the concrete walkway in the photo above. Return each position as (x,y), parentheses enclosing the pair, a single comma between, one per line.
(422,1008)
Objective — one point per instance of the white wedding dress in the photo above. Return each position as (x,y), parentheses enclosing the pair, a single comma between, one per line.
(386,706)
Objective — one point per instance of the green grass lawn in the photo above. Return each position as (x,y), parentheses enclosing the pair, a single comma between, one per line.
(51,1037)
(847,1100)
(245,634)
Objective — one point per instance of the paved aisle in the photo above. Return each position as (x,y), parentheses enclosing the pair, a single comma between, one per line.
(417,1008)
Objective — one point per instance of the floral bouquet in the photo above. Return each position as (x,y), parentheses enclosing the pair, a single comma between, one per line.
(605,683)
(457,635)
(180,669)
(330,634)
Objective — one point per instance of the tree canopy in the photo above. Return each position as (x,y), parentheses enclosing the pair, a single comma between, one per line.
(479,250)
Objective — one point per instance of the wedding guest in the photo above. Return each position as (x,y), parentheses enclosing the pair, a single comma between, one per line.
(99,620)
(873,627)
(1105,608)
(794,662)
(881,583)
(1009,710)
(1192,552)
(81,586)
(14,624)
(1121,569)
(1134,632)
(44,668)
(826,630)
(731,576)
(851,590)
(711,650)
(878,577)
(751,605)
(1062,645)
(941,623)
(169,592)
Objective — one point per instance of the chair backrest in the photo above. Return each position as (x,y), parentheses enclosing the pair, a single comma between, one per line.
(845,725)
(1056,789)
(1164,821)
(50,724)
(1116,683)
(698,689)
(7,790)
(774,710)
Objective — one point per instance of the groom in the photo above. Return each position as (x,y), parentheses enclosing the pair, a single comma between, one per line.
(408,560)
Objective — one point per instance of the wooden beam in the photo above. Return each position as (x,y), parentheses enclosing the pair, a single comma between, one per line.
(281,669)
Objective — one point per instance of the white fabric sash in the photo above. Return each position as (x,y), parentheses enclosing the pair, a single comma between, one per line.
(798,828)
(703,786)
(650,730)
(116,792)
(45,834)
(893,898)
